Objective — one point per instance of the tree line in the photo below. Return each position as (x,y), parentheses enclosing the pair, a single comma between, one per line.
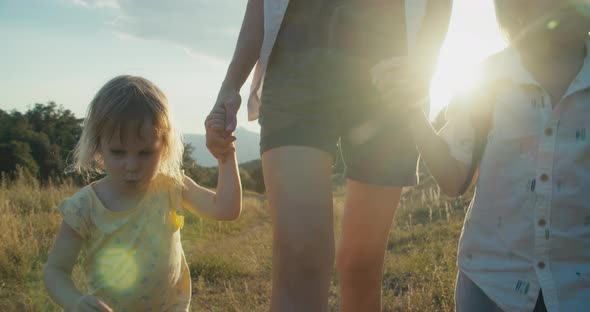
(40,141)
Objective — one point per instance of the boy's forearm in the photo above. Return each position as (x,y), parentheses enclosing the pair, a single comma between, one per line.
(248,46)
(449,173)
(61,288)
(228,197)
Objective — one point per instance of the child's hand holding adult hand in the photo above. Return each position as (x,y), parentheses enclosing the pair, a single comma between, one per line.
(91,304)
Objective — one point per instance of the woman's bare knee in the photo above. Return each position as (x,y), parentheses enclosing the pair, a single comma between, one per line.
(358,265)
(305,249)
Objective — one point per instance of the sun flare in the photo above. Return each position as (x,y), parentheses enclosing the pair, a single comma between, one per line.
(118,269)
(473,35)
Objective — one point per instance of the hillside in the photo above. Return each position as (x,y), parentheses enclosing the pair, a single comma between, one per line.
(247,147)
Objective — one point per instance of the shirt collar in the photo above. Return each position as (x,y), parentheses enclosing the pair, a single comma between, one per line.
(582,80)
(506,65)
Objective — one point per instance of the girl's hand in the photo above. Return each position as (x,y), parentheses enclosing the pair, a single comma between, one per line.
(90,304)
(401,82)
(220,143)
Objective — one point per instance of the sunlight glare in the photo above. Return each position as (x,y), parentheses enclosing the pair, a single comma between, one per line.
(473,35)
(117,268)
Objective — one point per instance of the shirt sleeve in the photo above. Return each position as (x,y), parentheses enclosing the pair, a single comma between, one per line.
(76,215)
(459,132)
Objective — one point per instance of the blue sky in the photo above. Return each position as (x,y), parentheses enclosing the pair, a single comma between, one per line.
(65,50)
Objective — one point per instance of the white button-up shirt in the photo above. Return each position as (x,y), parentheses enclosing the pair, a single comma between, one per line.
(528,225)
(274,12)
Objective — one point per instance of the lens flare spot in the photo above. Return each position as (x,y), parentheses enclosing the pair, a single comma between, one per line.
(118,268)
(552,24)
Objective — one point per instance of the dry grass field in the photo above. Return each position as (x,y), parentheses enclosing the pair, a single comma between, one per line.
(230,262)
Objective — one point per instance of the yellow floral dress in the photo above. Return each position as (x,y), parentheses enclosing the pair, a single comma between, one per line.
(134,259)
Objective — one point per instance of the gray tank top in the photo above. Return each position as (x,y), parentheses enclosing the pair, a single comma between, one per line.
(318,38)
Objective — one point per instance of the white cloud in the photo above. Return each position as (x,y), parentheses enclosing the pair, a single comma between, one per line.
(112,4)
(208,27)
(80,2)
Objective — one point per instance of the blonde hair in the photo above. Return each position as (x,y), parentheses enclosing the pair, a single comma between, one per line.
(122,101)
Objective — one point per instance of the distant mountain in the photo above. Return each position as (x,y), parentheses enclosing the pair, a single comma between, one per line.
(247,147)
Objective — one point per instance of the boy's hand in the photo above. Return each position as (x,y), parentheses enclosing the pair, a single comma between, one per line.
(401,82)
(219,141)
(91,304)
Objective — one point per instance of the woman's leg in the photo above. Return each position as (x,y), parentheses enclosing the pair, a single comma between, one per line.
(299,188)
(368,213)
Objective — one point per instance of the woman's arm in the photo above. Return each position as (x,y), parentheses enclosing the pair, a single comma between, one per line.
(248,46)
(411,77)
(245,56)
(433,33)
(58,270)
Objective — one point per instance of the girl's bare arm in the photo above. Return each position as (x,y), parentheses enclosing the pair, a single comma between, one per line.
(224,204)
(57,275)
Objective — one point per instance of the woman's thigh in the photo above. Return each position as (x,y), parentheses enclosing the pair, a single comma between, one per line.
(368,213)
(298,181)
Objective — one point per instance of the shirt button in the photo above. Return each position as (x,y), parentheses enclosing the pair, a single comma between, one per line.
(541,265)
(542,222)
(548,131)
(544,177)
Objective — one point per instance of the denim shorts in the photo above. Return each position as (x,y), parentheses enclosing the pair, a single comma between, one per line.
(325,99)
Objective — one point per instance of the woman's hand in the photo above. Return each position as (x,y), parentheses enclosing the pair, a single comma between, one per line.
(228,103)
(401,82)
(219,141)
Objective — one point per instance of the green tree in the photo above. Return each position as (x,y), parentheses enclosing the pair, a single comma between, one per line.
(60,125)
(15,154)
(39,140)
(202,175)
(255,176)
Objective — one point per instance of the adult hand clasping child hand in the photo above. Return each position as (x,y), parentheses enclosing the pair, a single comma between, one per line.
(219,141)
(401,82)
